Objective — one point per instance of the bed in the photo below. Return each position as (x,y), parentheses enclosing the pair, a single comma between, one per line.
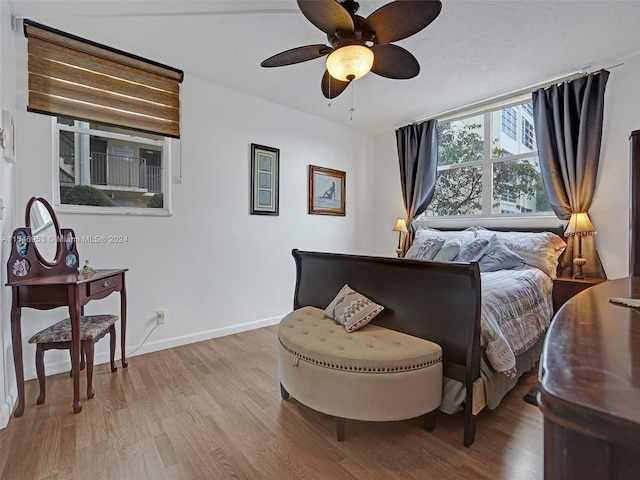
(480,364)
(516,307)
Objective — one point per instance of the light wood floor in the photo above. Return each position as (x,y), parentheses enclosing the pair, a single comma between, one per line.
(212,410)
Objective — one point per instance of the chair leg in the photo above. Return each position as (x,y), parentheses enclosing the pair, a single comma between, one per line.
(40,373)
(88,348)
(112,347)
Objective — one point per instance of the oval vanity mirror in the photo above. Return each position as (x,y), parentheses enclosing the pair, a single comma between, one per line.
(45,231)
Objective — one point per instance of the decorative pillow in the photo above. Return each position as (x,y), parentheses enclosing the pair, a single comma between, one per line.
(424,248)
(472,251)
(352,309)
(538,249)
(428,232)
(449,250)
(498,257)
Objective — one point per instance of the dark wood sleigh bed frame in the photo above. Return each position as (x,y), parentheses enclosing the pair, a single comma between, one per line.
(437,301)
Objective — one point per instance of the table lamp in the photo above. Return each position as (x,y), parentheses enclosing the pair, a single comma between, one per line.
(580,225)
(401,227)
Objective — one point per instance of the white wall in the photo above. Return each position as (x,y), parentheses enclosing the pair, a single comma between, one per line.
(610,209)
(7,194)
(213,267)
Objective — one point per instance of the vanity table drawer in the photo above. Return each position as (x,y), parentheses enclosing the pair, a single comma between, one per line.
(104,285)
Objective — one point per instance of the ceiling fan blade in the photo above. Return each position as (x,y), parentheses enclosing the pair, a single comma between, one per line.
(328,15)
(392,61)
(296,55)
(401,19)
(331,87)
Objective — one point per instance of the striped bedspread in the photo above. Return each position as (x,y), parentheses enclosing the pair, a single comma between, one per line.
(517,308)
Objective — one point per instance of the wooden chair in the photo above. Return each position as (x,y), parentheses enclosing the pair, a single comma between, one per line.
(58,337)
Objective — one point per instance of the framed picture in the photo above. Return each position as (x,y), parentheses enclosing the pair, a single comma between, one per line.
(326,191)
(265,172)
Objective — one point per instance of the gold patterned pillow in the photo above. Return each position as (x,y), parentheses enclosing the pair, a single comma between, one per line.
(351,309)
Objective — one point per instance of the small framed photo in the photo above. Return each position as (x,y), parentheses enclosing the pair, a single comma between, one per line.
(326,191)
(265,173)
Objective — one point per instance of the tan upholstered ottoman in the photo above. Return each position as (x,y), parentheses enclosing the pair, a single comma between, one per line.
(372,374)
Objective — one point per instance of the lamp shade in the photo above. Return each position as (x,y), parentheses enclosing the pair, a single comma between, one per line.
(401,226)
(350,62)
(580,224)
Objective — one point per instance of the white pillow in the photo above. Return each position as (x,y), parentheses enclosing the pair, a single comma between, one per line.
(449,250)
(424,248)
(538,249)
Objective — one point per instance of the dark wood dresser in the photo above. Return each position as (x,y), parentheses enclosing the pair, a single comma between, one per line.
(590,386)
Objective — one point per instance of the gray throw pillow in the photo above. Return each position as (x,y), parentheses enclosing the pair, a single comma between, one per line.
(472,251)
(498,257)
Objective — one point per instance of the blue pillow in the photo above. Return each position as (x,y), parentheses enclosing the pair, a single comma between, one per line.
(498,257)
(473,250)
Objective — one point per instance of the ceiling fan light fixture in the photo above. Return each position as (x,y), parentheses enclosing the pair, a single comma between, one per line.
(350,62)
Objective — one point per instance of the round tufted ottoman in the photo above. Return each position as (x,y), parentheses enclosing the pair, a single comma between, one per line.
(374,374)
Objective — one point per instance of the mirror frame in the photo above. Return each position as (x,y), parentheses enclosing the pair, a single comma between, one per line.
(54,219)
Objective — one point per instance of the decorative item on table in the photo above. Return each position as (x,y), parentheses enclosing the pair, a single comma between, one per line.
(401,227)
(87,269)
(579,225)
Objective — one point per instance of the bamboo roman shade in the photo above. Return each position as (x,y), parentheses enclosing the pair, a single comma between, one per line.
(73,77)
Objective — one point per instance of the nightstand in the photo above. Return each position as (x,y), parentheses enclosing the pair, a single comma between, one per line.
(566,287)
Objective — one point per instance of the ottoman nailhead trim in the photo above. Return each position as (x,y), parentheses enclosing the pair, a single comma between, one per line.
(336,366)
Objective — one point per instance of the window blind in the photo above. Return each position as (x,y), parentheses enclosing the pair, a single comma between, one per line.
(73,77)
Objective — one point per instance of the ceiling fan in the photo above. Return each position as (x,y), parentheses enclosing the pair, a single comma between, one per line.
(358,44)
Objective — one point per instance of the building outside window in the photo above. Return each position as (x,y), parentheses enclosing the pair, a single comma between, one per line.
(101,166)
(484,170)
(509,122)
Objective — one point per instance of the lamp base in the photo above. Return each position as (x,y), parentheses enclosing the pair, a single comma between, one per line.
(579,262)
(399,252)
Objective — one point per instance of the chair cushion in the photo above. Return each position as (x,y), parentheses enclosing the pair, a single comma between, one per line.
(309,335)
(91,326)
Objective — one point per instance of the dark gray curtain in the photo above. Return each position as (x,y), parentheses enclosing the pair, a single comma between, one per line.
(568,123)
(418,156)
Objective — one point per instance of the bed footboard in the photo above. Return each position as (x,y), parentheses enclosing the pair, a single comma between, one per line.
(437,301)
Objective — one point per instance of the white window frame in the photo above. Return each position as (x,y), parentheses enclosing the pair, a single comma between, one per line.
(165,144)
(486,218)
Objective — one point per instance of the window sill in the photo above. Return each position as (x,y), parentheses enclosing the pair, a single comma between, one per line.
(89,210)
(537,220)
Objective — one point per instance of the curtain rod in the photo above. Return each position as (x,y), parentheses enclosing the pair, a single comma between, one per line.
(514,93)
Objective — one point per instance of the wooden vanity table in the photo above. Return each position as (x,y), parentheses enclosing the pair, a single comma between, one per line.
(39,283)
(590,386)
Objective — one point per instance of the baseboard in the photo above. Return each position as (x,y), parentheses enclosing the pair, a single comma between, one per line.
(61,366)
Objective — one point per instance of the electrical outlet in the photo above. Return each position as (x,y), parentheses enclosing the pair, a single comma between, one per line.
(161,317)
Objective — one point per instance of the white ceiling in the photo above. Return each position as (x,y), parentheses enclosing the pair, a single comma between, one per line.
(473,51)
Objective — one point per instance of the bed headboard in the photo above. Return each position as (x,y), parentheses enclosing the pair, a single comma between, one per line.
(558,230)
(425,299)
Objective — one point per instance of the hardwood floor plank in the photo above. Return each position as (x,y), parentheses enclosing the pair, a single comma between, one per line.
(212,410)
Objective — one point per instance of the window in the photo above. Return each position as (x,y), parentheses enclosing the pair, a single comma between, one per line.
(115,114)
(509,122)
(483,170)
(110,167)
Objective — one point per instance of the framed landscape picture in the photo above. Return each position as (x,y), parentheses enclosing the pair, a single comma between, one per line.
(326,191)
(265,173)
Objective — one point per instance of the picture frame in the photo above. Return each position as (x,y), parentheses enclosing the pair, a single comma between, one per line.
(327,191)
(265,180)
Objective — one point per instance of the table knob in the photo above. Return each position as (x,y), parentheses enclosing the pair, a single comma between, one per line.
(106,283)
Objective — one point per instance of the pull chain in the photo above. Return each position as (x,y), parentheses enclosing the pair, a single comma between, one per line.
(352,109)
